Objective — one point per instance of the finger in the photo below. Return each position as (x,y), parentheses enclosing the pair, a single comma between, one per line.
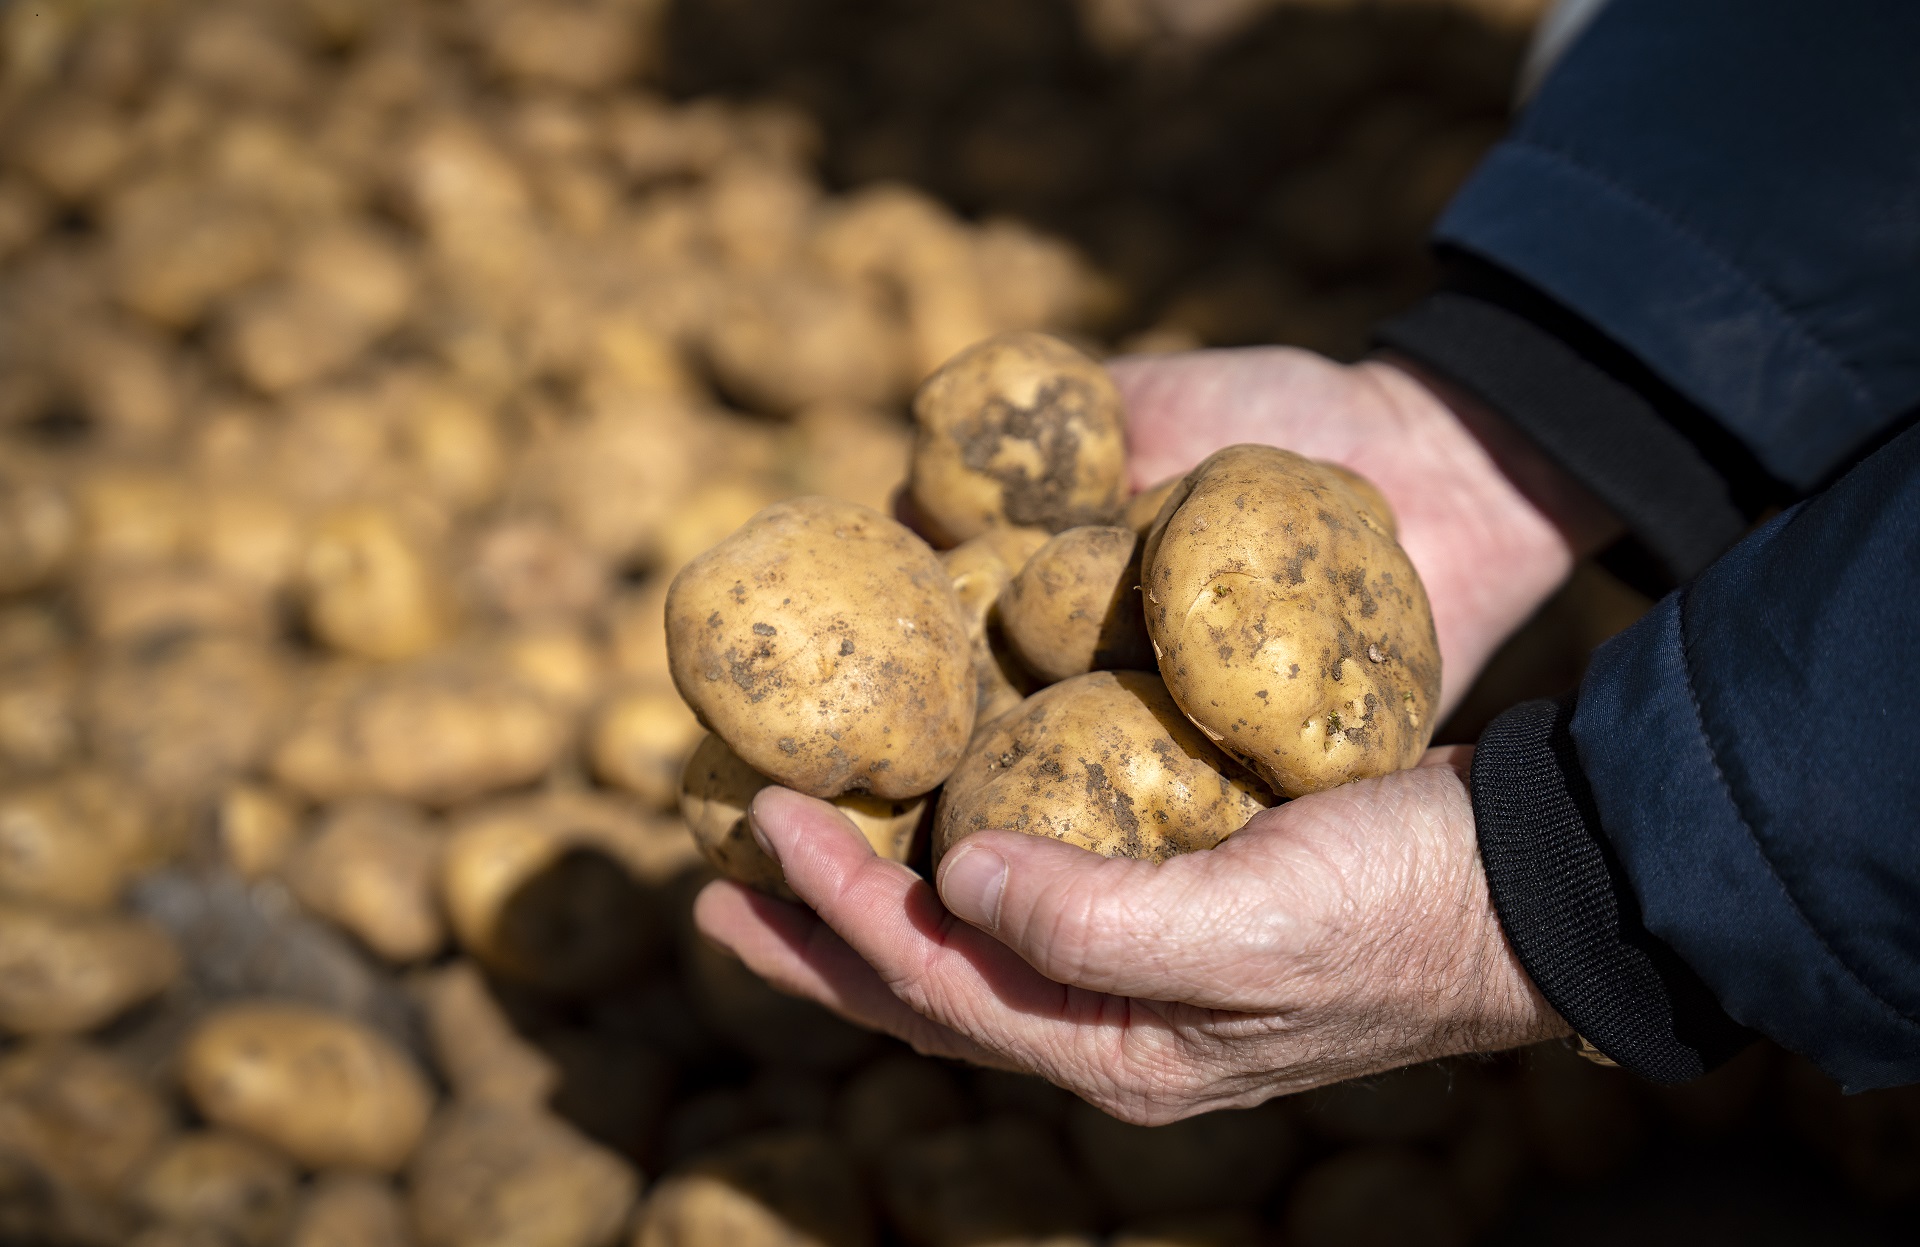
(1207,929)
(801,955)
(937,965)
(1457,758)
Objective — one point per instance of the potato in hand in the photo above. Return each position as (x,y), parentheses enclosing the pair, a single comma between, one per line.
(823,642)
(1289,624)
(1021,429)
(1104,761)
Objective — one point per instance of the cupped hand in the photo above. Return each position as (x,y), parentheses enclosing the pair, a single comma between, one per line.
(1490,524)
(1338,935)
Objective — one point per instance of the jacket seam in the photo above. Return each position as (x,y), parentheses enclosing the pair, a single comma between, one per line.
(1793,325)
(1793,903)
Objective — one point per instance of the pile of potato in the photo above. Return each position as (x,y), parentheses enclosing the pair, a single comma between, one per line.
(368,371)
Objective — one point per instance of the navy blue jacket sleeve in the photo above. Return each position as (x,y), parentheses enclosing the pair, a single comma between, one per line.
(1692,276)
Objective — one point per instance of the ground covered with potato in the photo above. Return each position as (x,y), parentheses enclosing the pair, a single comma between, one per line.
(368,371)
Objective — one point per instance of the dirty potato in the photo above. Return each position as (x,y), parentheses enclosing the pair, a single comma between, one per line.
(73,840)
(475,1045)
(1104,761)
(326,1090)
(65,970)
(553,890)
(1019,429)
(1075,606)
(371,868)
(823,642)
(981,569)
(1289,624)
(716,790)
(639,742)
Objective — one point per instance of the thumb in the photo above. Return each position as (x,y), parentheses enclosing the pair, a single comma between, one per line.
(1180,930)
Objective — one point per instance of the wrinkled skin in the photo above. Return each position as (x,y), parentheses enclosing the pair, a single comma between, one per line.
(1344,933)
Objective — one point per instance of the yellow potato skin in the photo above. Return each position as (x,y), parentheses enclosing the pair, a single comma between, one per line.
(823,642)
(1020,429)
(1105,761)
(716,790)
(1289,625)
(981,568)
(1075,606)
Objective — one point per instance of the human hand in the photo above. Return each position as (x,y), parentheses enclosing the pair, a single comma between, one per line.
(1338,935)
(1491,525)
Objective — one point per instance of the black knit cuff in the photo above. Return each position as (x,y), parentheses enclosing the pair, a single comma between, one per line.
(1570,914)
(1682,486)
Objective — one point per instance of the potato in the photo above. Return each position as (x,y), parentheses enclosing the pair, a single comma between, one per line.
(212,1180)
(553,890)
(777,1190)
(181,716)
(66,970)
(615,478)
(371,587)
(438,731)
(493,1175)
(75,1127)
(640,741)
(351,1210)
(1002,1180)
(38,528)
(824,644)
(716,790)
(793,337)
(980,569)
(709,514)
(256,827)
(1075,606)
(855,454)
(1104,761)
(1020,429)
(326,1090)
(474,1044)
(372,868)
(532,570)
(557,660)
(73,840)
(130,605)
(1144,506)
(1289,625)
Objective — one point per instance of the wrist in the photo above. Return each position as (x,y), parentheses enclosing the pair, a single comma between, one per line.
(1484,515)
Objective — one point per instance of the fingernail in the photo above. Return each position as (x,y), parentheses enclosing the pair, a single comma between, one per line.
(760,836)
(971,883)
